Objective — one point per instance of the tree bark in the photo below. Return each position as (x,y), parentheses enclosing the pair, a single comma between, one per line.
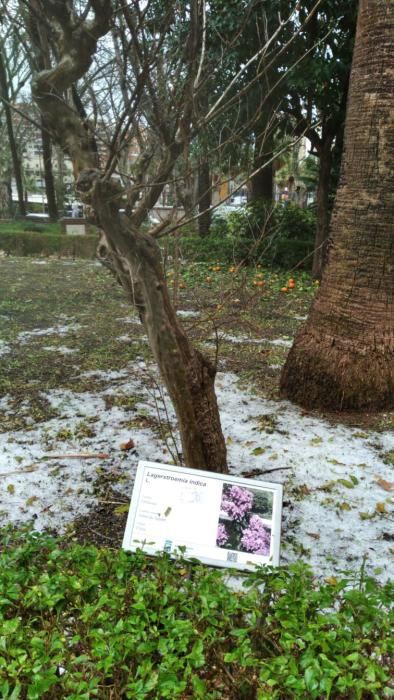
(262,183)
(16,161)
(343,358)
(187,374)
(204,198)
(323,207)
(48,175)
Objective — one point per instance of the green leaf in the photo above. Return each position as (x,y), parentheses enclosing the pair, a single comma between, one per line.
(316,441)
(119,510)
(346,482)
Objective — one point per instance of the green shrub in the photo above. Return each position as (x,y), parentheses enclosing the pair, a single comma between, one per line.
(36,243)
(79,622)
(278,236)
(292,237)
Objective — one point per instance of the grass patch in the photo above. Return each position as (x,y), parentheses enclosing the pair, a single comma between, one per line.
(24,225)
(81,622)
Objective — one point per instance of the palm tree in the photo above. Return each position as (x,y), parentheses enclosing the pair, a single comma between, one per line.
(343,358)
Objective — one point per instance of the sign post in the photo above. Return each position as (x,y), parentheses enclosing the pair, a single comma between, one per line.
(221,520)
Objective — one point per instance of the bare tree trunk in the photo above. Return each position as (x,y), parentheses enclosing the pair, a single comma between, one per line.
(48,175)
(16,161)
(60,179)
(262,183)
(187,374)
(343,358)
(323,208)
(204,198)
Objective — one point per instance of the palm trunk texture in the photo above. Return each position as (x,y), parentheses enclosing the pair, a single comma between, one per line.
(343,358)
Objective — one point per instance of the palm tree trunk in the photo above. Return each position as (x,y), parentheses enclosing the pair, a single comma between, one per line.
(323,213)
(343,358)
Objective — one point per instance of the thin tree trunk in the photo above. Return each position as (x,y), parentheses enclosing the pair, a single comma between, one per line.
(262,184)
(343,358)
(16,161)
(59,179)
(323,208)
(189,376)
(204,198)
(48,175)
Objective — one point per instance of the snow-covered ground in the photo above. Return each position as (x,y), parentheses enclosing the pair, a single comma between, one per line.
(337,480)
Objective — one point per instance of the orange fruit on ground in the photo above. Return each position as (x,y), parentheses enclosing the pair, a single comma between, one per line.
(208,279)
(284,289)
(291,284)
(181,285)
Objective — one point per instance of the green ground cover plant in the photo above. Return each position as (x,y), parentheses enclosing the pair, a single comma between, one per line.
(80,622)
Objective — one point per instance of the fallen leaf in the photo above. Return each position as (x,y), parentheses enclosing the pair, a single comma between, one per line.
(331,580)
(128,445)
(316,441)
(258,451)
(31,500)
(380,507)
(11,489)
(347,483)
(315,535)
(121,509)
(344,506)
(386,485)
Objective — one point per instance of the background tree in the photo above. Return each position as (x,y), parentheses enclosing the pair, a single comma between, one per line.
(315,100)
(9,74)
(39,58)
(343,358)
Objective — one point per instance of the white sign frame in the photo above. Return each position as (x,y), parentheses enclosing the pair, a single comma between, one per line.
(150,523)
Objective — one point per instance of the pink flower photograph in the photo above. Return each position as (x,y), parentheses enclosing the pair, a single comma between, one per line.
(245,520)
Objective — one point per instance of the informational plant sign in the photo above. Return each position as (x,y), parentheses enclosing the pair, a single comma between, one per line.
(75,229)
(219,519)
